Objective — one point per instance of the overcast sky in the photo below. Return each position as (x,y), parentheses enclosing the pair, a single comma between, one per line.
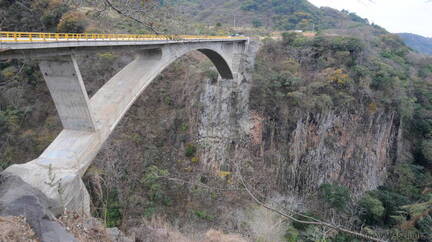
(397,16)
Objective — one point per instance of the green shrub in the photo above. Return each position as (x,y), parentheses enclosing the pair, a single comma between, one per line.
(302,226)
(336,196)
(344,237)
(190,150)
(425,226)
(323,102)
(113,214)
(392,201)
(296,97)
(382,80)
(184,127)
(212,75)
(203,215)
(257,23)
(72,22)
(405,180)
(10,119)
(353,45)
(9,72)
(289,37)
(150,210)
(155,188)
(292,234)
(373,209)
(426,149)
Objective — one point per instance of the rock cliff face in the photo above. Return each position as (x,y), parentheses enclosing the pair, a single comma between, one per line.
(353,148)
(224,120)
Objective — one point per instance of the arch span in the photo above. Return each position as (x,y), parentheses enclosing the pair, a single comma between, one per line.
(73,150)
(219,62)
(113,100)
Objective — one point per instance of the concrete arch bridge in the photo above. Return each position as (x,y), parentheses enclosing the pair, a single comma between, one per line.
(88,122)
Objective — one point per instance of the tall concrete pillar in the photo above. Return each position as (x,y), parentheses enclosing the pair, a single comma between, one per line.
(68,92)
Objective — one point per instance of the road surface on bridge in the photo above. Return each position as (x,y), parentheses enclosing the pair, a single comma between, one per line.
(34,45)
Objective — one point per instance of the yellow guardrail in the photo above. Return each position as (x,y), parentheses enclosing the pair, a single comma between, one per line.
(46,37)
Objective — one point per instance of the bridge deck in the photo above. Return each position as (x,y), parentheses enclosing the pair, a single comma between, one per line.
(18,44)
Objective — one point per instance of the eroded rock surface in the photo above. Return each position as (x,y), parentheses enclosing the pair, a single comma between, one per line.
(18,198)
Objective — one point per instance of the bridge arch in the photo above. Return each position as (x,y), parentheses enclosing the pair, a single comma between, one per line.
(108,107)
(219,62)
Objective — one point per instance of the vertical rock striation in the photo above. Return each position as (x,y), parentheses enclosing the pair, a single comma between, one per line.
(354,149)
(224,115)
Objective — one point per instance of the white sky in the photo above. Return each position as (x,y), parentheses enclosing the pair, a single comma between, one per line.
(397,16)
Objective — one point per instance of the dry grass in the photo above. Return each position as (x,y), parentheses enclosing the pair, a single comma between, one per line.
(266,225)
(218,236)
(157,229)
(83,228)
(16,229)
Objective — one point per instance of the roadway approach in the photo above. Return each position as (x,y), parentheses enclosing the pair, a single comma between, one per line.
(88,122)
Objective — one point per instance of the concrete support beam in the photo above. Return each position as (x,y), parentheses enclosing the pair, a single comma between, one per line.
(68,92)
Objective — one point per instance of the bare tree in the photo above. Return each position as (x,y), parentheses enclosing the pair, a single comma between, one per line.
(150,14)
(304,219)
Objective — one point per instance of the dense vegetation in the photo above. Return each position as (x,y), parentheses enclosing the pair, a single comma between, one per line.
(274,14)
(296,14)
(315,75)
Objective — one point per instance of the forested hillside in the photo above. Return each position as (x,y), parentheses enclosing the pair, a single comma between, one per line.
(361,107)
(278,15)
(418,43)
(335,126)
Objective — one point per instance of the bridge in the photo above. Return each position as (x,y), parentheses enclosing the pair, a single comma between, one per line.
(88,122)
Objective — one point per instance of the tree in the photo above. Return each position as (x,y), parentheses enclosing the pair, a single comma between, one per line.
(27,15)
(155,16)
(335,195)
(72,22)
(288,37)
(426,149)
(373,209)
(257,23)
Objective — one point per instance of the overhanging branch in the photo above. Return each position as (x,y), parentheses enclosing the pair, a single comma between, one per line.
(122,13)
(313,222)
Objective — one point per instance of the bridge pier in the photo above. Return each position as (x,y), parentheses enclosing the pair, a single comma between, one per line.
(67,89)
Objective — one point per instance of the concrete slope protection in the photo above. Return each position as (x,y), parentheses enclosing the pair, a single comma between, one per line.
(88,122)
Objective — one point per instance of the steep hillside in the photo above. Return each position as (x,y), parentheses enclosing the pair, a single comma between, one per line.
(279,15)
(418,42)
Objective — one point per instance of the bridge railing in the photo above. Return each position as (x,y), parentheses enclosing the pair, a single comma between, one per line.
(45,37)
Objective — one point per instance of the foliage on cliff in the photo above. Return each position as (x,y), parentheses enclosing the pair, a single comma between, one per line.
(302,75)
